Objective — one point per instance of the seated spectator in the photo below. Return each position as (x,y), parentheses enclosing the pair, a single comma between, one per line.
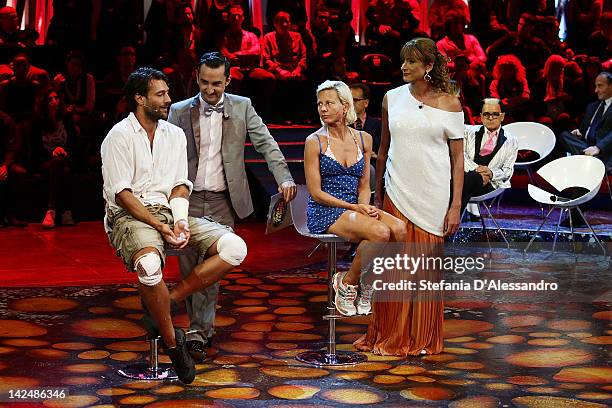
(327,44)
(488,27)
(185,34)
(53,140)
(340,20)
(489,153)
(112,88)
(10,34)
(382,33)
(470,81)
(600,42)
(365,122)
(284,55)
(77,87)
(338,180)
(12,173)
(549,98)
(295,8)
(19,94)
(183,80)
(457,42)
(34,73)
(510,86)
(594,136)
(581,19)
(574,85)
(242,48)
(438,11)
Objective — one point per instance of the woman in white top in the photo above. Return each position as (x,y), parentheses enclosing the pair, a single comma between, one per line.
(420,155)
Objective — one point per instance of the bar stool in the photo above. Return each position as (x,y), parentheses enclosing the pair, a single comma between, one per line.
(328,356)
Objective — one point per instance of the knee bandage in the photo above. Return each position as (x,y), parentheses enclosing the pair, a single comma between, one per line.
(232,249)
(149,270)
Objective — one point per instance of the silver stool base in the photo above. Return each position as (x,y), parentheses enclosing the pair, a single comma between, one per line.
(323,358)
(142,371)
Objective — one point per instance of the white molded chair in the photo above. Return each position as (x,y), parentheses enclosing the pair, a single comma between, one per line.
(532,136)
(572,171)
(329,356)
(482,199)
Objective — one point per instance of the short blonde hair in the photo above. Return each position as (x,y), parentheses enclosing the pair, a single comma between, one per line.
(345,96)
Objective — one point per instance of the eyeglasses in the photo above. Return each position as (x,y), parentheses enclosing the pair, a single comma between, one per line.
(359,99)
(490,115)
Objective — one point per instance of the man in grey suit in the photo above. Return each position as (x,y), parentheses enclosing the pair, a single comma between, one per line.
(216,125)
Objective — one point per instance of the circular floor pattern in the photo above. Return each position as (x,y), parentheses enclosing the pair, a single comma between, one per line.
(559,357)
(264,317)
(522,320)
(458,328)
(541,401)
(111,392)
(137,400)
(388,379)
(258,327)
(366,367)
(427,393)
(251,309)
(506,339)
(72,401)
(288,310)
(548,342)
(594,395)
(93,355)
(568,324)
(598,340)
(240,347)
(107,328)
(224,376)
(25,342)
(50,354)
(86,368)
(73,346)
(281,346)
(247,302)
(352,375)
(132,345)
(480,401)
(294,372)
(290,336)
(293,391)
(168,389)
(247,336)
(15,382)
(478,346)
(190,403)
(527,380)
(42,304)
(125,356)
(593,375)
(298,319)
(603,315)
(81,380)
(224,321)
(18,328)
(233,393)
(353,396)
(440,358)
(543,390)
(466,365)
(284,302)
(128,303)
(407,370)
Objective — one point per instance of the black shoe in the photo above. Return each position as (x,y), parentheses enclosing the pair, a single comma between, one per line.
(181,360)
(473,217)
(197,349)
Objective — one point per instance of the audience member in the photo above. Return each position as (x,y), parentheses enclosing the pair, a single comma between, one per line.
(185,34)
(10,34)
(581,19)
(600,42)
(510,86)
(112,88)
(489,153)
(438,12)
(339,187)
(13,174)
(457,42)
(53,139)
(365,122)
(77,87)
(19,94)
(549,98)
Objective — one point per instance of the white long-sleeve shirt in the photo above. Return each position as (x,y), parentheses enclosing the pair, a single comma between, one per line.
(501,165)
(150,172)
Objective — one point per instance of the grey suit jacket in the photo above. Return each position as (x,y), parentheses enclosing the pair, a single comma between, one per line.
(239,119)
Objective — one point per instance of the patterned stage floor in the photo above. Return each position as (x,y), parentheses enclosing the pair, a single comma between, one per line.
(510,349)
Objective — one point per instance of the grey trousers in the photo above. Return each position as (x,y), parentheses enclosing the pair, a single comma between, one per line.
(201,306)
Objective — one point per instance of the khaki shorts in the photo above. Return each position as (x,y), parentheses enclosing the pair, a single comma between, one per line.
(128,235)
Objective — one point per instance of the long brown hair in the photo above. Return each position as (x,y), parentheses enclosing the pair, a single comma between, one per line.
(425,50)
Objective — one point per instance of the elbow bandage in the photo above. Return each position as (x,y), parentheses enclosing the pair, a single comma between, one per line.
(180,209)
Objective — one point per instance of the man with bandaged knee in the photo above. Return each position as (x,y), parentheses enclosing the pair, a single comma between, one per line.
(144,167)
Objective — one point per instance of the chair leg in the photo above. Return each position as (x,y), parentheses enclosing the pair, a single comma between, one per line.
(557,230)
(497,225)
(151,370)
(530,176)
(314,250)
(329,356)
(569,211)
(484,227)
(458,229)
(538,230)
(608,182)
(603,248)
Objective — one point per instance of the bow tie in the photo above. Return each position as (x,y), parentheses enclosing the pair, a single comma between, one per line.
(210,109)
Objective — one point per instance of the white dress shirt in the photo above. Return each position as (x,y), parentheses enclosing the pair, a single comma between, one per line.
(210,175)
(150,172)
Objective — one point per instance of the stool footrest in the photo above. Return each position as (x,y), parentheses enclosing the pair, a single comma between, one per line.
(323,358)
(142,371)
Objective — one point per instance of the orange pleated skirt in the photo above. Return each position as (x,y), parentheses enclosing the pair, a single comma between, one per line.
(407,326)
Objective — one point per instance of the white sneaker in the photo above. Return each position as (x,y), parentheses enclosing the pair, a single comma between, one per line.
(67,218)
(49,220)
(345,295)
(364,302)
